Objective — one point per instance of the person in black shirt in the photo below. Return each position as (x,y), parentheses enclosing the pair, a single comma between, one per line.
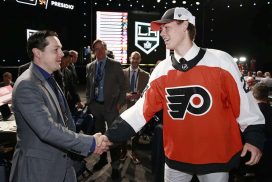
(263,169)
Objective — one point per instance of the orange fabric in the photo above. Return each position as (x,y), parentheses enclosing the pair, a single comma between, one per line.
(211,137)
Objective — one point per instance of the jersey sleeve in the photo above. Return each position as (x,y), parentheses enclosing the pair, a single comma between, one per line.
(244,106)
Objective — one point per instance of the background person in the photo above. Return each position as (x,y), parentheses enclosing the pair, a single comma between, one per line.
(136,80)
(5,109)
(105,94)
(263,169)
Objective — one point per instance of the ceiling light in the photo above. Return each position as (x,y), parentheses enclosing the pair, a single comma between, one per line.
(174,1)
(197,3)
(242,59)
(184,2)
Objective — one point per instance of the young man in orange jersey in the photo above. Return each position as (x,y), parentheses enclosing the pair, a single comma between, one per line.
(205,105)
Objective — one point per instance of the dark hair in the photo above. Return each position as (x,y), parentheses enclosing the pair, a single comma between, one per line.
(38,40)
(66,53)
(7,74)
(191,28)
(260,91)
(99,41)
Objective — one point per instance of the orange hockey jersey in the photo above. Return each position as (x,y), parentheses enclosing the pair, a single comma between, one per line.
(204,109)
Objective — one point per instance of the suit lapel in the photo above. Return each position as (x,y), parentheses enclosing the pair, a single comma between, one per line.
(48,90)
(139,86)
(126,73)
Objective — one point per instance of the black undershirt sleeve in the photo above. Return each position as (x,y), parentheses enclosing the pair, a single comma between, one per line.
(254,134)
(120,131)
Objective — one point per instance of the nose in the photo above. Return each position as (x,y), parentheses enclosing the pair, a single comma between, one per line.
(61,53)
(162,33)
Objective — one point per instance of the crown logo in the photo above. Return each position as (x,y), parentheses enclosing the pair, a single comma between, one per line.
(147,45)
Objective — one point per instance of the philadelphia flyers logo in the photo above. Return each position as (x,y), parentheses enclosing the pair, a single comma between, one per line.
(195,100)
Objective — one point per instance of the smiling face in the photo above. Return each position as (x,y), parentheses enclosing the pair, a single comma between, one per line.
(100,50)
(49,59)
(135,59)
(175,34)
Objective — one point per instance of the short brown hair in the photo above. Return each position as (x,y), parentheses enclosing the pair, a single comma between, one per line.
(99,41)
(191,28)
(260,91)
(7,74)
(38,40)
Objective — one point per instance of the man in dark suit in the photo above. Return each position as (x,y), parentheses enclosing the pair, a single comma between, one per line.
(136,80)
(66,80)
(45,129)
(74,56)
(105,94)
(22,68)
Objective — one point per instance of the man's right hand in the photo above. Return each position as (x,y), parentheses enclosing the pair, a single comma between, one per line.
(102,143)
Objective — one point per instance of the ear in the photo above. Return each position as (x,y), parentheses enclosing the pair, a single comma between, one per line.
(36,52)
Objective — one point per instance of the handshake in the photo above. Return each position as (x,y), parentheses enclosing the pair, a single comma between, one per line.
(102,143)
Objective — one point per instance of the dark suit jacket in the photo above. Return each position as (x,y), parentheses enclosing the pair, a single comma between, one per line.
(66,81)
(44,141)
(143,78)
(22,68)
(114,84)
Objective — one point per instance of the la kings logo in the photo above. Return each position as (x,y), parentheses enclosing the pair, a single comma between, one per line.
(146,39)
(195,100)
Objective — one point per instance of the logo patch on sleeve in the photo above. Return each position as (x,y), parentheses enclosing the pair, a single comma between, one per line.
(195,100)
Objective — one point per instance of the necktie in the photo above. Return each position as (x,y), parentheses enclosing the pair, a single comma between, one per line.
(99,73)
(60,98)
(132,81)
(99,76)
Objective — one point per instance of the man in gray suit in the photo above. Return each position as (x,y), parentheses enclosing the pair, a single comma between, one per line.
(45,129)
(105,94)
(136,80)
